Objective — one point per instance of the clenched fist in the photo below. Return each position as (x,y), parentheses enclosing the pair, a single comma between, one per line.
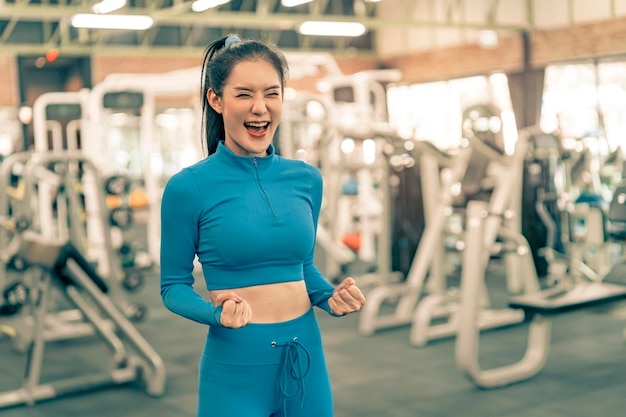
(347,298)
(236,312)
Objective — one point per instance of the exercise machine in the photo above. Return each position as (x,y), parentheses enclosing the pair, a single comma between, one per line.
(343,131)
(440,173)
(146,127)
(63,267)
(424,297)
(505,173)
(539,304)
(60,196)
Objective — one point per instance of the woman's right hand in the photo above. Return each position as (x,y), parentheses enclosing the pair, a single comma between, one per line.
(236,312)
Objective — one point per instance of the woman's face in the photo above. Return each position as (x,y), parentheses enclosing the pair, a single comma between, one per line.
(251,105)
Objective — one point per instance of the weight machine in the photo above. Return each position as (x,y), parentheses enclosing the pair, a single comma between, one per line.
(538,304)
(123,114)
(504,198)
(344,132)
(439,173)
(445,181)
(63,267)
(59,196)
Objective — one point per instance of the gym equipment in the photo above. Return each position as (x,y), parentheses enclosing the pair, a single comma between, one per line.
(441,176)
(617,213)
(538,304)
(124,197)
(121,217)
(67,192)
(354,158)
(364,208)
(345,133)
(128,135)
(122,200)
(117,185)
(564,223)
(613,169)
(75,101)
(49,204)
(133,266)
(505,172)
(135,199)
(64,268)
(428,256)
(119,117)
(14,297)
(542,196)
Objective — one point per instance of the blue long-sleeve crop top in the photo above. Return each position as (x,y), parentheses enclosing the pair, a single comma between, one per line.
(250,221)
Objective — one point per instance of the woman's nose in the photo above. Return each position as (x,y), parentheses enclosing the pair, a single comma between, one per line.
(258,106)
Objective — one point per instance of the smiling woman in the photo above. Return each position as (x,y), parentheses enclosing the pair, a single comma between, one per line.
(251,108)
(264,350)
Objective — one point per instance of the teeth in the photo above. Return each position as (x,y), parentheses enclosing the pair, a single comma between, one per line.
(257,124)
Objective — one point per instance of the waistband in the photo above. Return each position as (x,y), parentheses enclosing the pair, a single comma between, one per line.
(262,343)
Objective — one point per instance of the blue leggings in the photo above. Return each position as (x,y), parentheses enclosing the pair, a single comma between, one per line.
(265,370)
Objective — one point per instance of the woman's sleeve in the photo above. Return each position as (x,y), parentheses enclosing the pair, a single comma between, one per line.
(318,288)
(181,206)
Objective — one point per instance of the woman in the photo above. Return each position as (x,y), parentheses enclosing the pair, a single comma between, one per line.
(250,216)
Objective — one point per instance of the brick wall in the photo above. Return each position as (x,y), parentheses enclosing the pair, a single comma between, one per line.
(584,41)
(9,93)
(459,61)
(595,40)
(102,65)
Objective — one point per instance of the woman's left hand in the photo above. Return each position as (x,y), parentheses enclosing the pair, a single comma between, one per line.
(347,298)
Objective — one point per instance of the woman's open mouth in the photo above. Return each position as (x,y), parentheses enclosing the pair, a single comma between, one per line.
(257,128)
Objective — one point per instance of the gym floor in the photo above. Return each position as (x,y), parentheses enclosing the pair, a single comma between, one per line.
(380,375)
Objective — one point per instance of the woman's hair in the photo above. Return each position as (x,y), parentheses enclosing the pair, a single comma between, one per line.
(220,57)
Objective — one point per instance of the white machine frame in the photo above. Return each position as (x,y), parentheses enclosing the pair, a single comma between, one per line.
(64,268)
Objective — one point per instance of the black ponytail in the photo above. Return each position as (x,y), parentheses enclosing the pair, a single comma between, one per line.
(212,121)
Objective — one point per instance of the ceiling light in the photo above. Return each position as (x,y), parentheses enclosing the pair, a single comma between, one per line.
(332,28)
(202,5)
(108,6)
(294,3)
(110,21)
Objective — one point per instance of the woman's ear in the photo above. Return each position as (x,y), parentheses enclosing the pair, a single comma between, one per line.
(214,100)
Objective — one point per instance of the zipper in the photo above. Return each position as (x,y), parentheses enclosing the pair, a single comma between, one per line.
(257,178)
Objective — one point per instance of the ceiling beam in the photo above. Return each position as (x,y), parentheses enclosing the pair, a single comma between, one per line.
(245,20)
(78,49)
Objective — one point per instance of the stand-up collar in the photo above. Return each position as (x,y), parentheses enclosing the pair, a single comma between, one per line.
(223,153)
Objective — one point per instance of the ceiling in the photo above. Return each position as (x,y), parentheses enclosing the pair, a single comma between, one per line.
(35,26)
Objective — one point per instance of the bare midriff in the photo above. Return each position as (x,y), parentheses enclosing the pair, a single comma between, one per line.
(273,303)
